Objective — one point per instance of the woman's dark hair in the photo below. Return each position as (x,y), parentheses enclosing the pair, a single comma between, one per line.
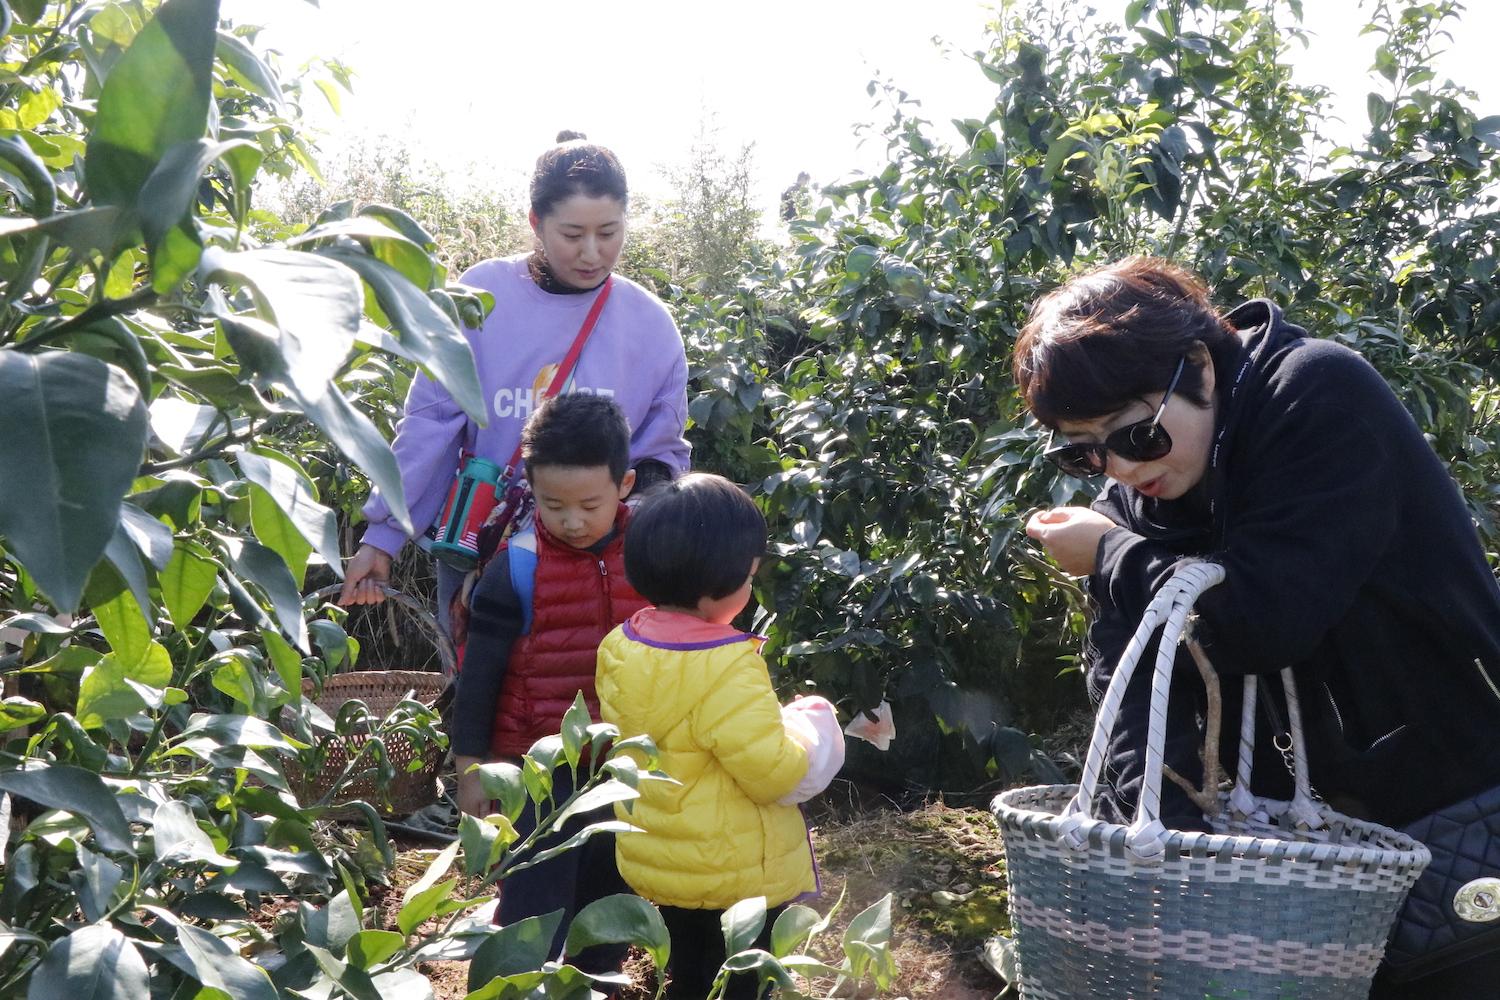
(575,166)
(696,537)
(579,430)
(1114,335)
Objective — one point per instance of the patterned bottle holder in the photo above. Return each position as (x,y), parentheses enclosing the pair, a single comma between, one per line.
(473,495)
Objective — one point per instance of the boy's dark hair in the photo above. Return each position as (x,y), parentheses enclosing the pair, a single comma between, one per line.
(576,166)
(695,537)
(1115,334)
(578,429)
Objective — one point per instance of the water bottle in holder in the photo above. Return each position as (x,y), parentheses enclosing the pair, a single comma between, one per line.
(473,496)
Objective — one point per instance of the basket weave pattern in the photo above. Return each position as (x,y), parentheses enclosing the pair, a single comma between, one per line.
(1269,906)
(381,691)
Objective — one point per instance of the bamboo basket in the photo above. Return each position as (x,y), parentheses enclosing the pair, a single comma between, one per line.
(381,691)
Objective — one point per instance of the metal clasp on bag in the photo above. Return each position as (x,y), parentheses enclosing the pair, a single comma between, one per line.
(1478,902)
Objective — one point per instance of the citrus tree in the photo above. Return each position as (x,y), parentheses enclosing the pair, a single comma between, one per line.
(186,378)
(863,381)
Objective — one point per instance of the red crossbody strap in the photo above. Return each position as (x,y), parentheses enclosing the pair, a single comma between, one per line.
(570,360)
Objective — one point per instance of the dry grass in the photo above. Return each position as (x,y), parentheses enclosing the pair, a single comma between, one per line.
(865,850)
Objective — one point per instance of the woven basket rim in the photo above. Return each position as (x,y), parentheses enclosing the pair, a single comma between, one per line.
(1048,825)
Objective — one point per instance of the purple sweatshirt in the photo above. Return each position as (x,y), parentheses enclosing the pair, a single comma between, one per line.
(634,355)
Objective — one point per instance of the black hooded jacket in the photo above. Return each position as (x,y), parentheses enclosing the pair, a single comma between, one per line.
(1349,556)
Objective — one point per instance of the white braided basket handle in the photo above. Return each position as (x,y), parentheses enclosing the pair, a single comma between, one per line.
(1169,608)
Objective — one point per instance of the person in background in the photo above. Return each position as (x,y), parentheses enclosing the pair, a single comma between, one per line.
(633,356)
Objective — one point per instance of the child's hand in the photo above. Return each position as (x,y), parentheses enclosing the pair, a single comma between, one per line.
(1071,536)
(471,797)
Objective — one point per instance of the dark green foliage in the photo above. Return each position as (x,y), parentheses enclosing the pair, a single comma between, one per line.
(862,385)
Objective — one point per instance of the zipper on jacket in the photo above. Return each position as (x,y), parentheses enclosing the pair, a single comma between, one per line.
(1488,680)
(604,607)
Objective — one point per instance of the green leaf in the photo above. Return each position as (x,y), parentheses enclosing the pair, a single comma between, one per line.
(237,677)
(275,530)
(121,620)
(423,904)
(266,570)
(402,223)
(319,314)
(502,781)
(123,557)
(314,303)
(515,948)
(174,257)
(100,878)
(157,95)
(483,841)
(292,491)
(332,926)
(425,331)
(1487,131)
(78,427)
(621,919)
(742,924)
(179,838)
(170,192)
(97,962)
(575,726)
(421,899)
(112,342)
(74,790)
(111,690)
(17,712)
(40,191)
(249,70)
(220,967)
(287,661)
(240,730)
(369,948)
(794,927)
(871,926)
(603,794)
(187,581)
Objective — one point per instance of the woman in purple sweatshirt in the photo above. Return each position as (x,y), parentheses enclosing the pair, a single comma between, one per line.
(634,356)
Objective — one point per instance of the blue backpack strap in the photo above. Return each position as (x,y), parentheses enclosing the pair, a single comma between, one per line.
(522,548)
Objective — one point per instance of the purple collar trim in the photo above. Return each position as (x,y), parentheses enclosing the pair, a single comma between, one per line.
(634,636)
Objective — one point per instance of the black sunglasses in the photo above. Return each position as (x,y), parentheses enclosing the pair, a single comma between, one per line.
(1142,441)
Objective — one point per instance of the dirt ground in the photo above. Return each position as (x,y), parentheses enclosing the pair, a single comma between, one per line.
(865,849)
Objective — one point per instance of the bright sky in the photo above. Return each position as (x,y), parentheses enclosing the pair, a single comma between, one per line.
(482,86)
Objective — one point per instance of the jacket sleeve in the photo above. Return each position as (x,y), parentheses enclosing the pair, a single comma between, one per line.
(659,435)
(495,623)
(1312,508)
(427,445)
(739,722)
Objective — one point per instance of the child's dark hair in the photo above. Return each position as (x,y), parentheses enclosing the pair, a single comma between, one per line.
(575,166)
(578,429)
(695,537)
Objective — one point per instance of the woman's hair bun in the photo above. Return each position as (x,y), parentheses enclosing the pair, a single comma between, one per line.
(568,135)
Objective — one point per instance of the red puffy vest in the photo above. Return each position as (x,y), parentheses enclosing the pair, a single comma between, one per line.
(577,599)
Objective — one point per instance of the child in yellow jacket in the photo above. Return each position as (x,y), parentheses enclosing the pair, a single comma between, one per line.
(679,673)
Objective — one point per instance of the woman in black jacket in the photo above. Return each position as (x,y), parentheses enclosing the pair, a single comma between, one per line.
(1349,554)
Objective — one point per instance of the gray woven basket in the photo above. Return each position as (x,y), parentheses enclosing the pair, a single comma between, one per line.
(1283,901)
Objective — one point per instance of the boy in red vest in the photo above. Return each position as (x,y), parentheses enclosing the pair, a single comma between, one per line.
(536,617)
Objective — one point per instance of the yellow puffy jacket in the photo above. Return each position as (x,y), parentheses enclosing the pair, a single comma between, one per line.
(719,836)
